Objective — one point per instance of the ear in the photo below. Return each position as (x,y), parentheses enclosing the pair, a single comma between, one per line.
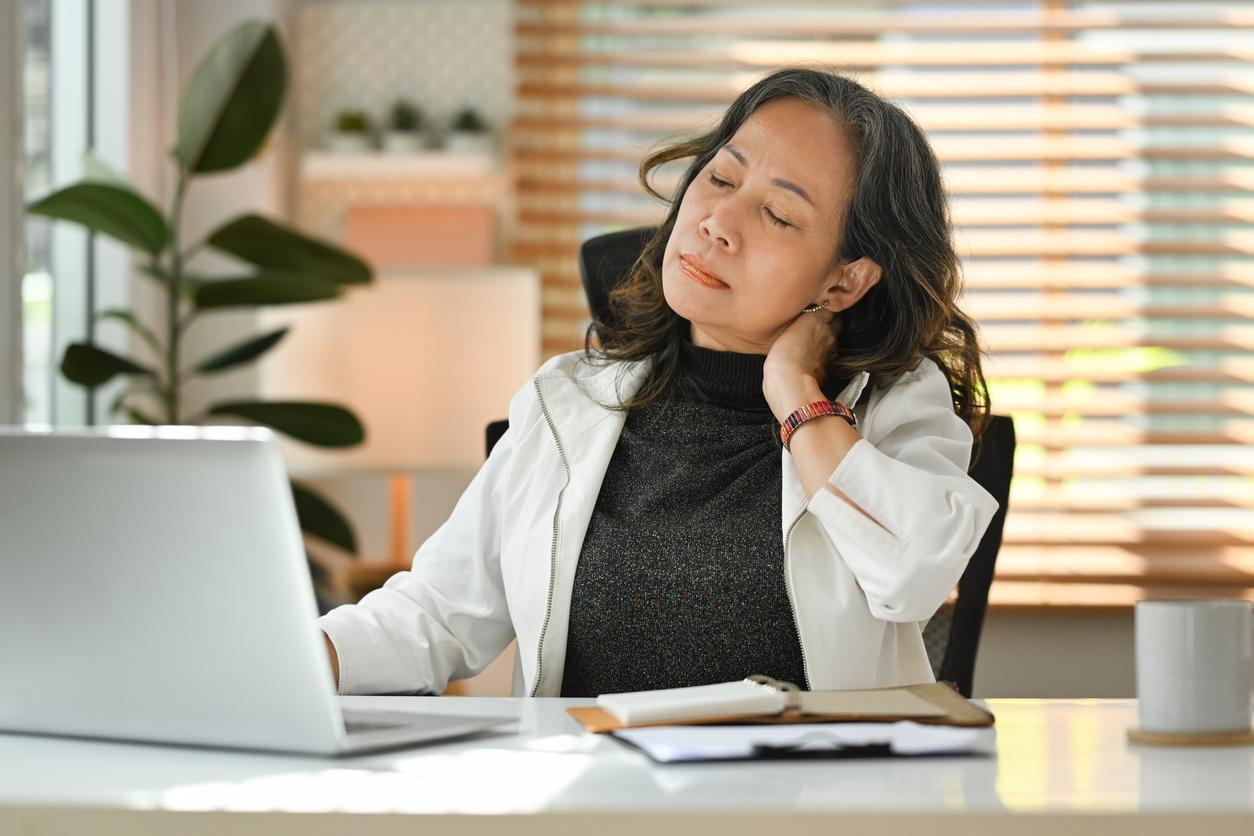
(849,282)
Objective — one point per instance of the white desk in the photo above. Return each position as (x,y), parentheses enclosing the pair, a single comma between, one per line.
(1060,767)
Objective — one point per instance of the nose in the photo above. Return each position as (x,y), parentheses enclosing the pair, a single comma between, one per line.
(718,229)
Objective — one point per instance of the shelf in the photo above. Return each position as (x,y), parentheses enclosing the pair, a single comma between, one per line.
(444,165)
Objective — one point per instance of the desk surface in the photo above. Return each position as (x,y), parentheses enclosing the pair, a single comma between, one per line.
(1065,763)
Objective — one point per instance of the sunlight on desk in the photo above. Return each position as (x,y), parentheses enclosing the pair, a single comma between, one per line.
(1040,751)
(483,781)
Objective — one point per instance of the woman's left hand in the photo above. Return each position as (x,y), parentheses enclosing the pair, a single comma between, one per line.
(795,364)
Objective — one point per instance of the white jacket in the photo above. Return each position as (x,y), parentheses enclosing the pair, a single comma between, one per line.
(503,564)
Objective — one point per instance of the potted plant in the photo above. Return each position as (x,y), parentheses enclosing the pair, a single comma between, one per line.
(352,133)
(469,133)
(226,113)
(404,131)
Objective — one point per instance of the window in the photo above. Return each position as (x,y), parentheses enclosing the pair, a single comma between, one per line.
(39,368)
(72,55)
(1099,158)
(11,231)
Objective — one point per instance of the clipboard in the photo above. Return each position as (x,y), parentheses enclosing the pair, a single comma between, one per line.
(949,708)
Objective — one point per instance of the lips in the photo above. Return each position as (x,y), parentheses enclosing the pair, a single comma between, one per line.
(697,270)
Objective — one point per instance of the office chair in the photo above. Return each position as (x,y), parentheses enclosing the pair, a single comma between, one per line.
(952,636)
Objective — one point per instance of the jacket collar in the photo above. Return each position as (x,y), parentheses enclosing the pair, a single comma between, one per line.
(589,391)
(850,395)
(612,383)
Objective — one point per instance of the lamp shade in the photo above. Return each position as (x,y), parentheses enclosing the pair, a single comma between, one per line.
(427,358)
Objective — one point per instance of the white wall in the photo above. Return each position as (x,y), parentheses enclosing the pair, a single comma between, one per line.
(12,260)
(443,55)
(153,94)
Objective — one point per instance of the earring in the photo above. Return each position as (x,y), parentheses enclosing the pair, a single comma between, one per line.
(812,308)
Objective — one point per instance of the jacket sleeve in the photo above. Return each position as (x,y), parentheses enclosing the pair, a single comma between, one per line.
(910,473)
(446,618)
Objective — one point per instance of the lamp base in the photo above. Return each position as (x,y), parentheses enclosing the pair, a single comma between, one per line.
(400,506)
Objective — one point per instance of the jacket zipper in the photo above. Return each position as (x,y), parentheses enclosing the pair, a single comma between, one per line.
(557,514)
(792,600)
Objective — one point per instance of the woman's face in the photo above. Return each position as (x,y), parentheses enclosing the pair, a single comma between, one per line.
(756,236)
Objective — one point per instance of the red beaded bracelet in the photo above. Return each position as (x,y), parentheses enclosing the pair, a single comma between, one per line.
(814,410)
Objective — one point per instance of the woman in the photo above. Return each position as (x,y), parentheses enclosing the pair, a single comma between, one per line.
(641,524)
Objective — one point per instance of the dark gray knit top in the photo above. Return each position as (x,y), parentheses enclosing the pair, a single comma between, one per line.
(681,577)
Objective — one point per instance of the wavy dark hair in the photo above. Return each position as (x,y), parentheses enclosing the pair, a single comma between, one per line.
(898,216)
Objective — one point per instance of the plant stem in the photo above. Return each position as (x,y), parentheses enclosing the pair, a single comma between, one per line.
(194,249)
(176,294)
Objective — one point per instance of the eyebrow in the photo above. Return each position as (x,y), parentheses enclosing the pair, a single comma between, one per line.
(775,181)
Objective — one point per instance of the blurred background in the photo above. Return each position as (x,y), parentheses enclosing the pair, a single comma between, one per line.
(1100,158)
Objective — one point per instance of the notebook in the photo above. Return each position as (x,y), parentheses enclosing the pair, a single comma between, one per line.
(760,699)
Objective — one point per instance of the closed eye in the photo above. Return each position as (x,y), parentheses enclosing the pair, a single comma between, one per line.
(776,219)
(720,183)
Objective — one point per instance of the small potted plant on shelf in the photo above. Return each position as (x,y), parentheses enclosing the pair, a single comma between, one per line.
(404,128)
(351,134)
(469,133)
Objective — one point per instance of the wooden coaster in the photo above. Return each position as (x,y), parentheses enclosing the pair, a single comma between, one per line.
(1146,738)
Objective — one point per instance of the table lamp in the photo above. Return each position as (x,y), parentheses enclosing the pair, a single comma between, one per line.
(426,358)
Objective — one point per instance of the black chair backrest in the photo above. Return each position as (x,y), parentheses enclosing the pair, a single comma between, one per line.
(953,635)
(494,432)
(604,261)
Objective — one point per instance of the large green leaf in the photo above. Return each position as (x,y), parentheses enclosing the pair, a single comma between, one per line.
(322,519)
(242,353)
(321,424)
(233,99)
(265,243)
(266,289)
(87,365)
(110,209)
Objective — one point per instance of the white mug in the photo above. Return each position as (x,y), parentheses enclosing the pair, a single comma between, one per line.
(1193,661)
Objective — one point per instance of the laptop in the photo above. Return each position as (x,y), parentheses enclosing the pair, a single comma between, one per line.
(154,587)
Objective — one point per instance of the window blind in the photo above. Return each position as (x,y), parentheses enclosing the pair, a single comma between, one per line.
(1099,158)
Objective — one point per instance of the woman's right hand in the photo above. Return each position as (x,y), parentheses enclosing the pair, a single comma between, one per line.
(335,660)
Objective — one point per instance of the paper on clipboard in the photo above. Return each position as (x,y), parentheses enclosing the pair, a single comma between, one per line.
(686,744)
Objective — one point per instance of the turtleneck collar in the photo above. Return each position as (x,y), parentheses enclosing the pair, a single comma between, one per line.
(726,378)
